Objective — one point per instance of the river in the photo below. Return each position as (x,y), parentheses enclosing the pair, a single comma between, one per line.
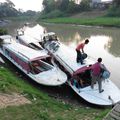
(104,42)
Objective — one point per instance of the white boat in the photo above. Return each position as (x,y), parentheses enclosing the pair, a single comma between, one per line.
(1,60)
(65,58)
(29,41)
(33,63)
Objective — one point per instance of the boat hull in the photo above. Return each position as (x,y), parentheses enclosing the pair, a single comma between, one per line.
(110,96)
(41,79)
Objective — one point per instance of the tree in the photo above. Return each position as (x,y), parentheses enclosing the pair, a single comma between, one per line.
(63,5)
(85,5)
(49,5)
(116,3)
(72,7)
(10,3)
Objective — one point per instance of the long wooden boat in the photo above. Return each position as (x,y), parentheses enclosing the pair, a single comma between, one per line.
(65,58)
(34,64)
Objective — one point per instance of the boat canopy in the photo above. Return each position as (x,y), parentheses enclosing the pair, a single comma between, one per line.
(81,70)
(27,53)
(5,39)
(48,35)
(28,39)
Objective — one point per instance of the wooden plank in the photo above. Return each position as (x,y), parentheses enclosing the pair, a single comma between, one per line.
(114,116)
(116,113)
(117,108)
(118,103)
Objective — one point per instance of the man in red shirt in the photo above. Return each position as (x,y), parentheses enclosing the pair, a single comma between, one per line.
(80,50)
(96,74)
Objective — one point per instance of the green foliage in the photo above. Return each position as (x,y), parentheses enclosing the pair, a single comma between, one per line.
(114,12)
(43,107)
(65,6)
(49,5)
(103,21)
(53,14)
(29,13)
(85,5)
(116,3)
(72,7)
(7,9)
(3,31)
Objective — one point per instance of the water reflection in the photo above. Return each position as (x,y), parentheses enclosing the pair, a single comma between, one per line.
(104,42)
(70,32)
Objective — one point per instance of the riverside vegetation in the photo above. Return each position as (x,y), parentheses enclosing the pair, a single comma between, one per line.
(99,21)
(43,107)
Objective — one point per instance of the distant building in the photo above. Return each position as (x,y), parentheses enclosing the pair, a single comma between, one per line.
(99,4)
(96,1)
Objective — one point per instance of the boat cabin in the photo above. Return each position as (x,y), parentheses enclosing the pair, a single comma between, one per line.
(82,77)
(30,60)
(29,41)
(5,39)
(51,36)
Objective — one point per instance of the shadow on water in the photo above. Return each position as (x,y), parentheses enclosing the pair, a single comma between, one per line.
(61,93)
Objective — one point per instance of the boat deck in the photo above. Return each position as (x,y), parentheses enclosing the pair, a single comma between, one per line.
(114,114)
(67,56)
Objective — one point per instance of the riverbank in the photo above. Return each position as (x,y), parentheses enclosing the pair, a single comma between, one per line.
(42,106)
(97,21)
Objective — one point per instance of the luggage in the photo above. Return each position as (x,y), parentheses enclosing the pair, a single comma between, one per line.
(106,74)
(84,56)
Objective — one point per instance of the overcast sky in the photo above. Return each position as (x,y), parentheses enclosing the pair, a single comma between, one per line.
(35,5)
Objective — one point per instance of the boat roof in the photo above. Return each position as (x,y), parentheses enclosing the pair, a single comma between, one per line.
(68,56)
(4,37)
(26,52)
(27,39)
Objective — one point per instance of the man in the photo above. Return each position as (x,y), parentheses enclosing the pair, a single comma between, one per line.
(80,50)
(96,74)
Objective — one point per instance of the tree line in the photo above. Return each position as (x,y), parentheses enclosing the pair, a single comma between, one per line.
(7,9)
(56,8)
(114,10)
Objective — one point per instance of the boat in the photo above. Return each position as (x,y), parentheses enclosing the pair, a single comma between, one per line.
(65,58)
(29,41)
(35,64)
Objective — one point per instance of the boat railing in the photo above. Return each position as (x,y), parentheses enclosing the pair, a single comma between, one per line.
(65,63)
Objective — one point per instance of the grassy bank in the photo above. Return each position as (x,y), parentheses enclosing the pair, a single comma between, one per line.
(43,107)
(98,21)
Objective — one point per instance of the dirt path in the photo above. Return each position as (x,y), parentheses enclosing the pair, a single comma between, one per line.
(90,14)
(12,100)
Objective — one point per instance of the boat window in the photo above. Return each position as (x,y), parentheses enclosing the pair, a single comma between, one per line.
(47,60)
(50,38)
(40,66)
(7,52)
(36,47)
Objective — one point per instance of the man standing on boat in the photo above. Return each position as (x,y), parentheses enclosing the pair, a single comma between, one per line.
(80,51)
(96,74)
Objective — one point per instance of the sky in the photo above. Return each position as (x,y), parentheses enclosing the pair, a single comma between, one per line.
(35,5)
